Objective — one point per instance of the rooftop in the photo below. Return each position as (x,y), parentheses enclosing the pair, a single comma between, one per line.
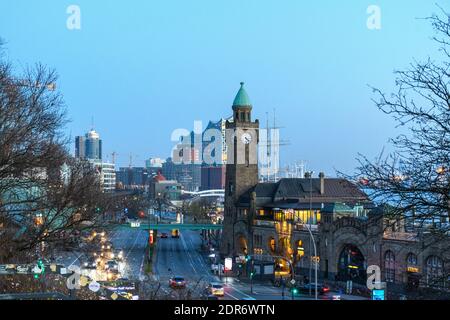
(242,99)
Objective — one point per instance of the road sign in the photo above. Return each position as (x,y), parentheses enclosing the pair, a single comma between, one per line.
(94,286)
(3,269)
(293,281)
(228,264)
(378,294)
(135,224)
(22,269)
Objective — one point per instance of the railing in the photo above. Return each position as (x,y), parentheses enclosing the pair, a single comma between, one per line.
(264,223)
(301,226)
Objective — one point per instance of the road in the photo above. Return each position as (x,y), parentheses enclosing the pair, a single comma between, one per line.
(133,243)
(183,257)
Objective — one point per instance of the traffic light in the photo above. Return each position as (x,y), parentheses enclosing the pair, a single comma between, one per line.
(39,269)
(294,290)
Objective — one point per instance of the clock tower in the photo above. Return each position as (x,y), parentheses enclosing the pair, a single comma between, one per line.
(241,174)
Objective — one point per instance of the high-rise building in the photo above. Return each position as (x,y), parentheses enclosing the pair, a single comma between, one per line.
(188,174)
(214,156)
(154,163)
(80,147)
(89,146)
(133,177)
(106,172)
(93,145)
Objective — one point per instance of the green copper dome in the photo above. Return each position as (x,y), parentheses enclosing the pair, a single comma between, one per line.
(242,98)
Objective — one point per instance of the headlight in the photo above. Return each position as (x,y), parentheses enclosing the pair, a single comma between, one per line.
(112,255)
(85,264)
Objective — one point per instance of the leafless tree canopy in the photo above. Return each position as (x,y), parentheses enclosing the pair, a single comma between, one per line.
(46,196)
(414,180)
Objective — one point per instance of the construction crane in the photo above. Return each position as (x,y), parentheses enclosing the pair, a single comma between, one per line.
(113,157)
(272,144)
(131,158)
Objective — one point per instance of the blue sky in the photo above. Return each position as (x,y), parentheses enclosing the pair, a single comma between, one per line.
(143,68)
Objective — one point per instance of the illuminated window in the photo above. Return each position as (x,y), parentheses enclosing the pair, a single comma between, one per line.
(272,245)
(300,249)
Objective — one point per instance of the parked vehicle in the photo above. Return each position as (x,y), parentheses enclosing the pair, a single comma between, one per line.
(321,289)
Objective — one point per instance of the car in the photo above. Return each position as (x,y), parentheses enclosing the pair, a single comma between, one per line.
(321,289)
(90,263)
(112,274)
(175,233)
(216,289)
(118,255)
(177,282)
(164,235)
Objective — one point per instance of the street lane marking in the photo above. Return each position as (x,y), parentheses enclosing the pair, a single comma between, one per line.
(231,286)
(229,294)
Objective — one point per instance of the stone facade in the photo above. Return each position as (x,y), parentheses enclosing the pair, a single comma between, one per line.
(281,222)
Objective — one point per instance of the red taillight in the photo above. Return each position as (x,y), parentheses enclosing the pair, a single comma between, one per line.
(326,289)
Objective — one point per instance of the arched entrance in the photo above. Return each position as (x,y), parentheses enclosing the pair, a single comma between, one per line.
(351,265)
(241,245)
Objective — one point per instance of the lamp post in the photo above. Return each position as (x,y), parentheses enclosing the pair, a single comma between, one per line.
(315,257)
(310,210)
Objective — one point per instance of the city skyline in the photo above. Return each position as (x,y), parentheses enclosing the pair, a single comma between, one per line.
(111,70)
(225,150)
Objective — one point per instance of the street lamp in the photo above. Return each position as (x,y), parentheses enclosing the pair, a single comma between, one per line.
(315,257)
(309,229)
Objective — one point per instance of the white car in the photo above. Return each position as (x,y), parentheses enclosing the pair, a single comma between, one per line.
(216,289)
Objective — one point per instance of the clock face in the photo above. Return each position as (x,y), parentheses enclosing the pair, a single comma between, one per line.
(246,138)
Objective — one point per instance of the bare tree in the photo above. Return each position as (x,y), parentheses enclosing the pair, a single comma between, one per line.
(46,196)
(415,179)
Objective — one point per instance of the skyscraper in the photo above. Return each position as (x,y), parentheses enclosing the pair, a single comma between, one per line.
(89,146)
(80,147)
(93,145)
